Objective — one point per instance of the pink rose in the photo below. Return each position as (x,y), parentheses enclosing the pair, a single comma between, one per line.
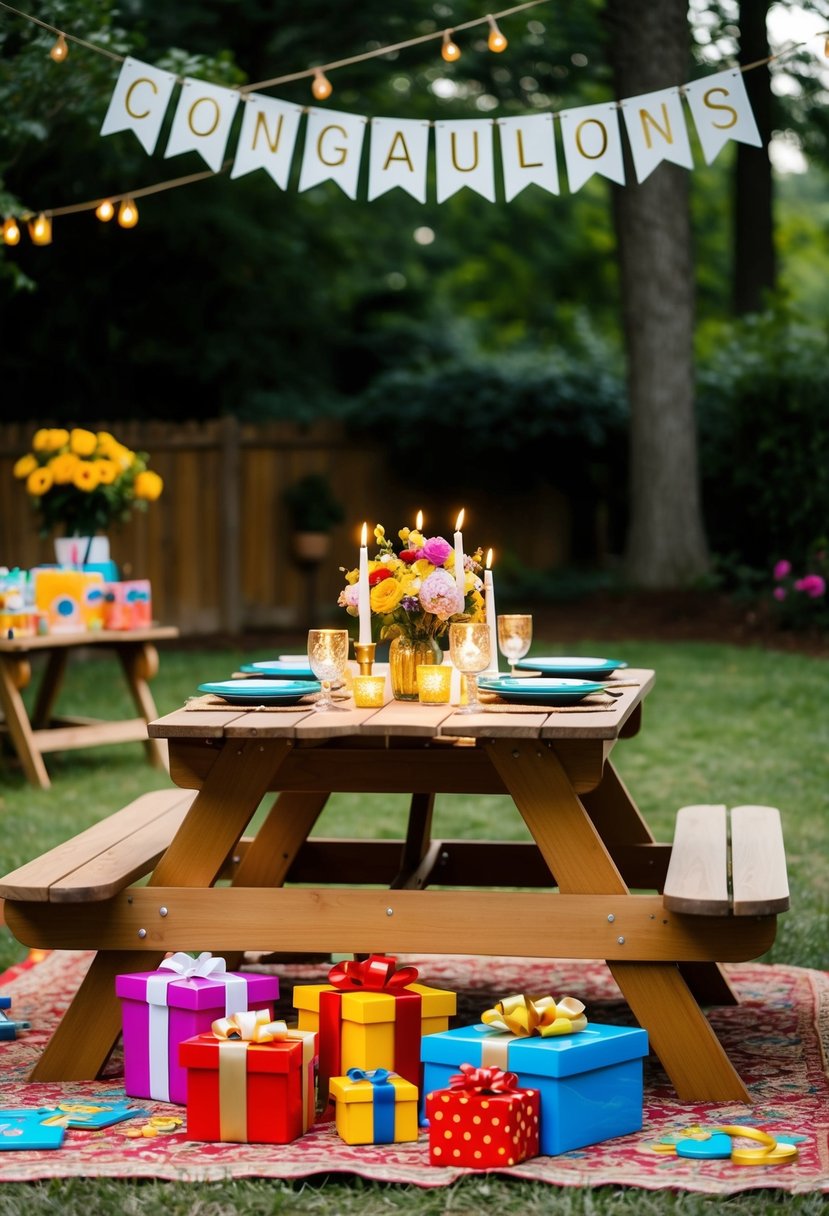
(812,584)
(779,593)
(782,569)
(436,550)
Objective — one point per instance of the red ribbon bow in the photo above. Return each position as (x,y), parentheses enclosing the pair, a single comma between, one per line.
(375,973)
(484,1080)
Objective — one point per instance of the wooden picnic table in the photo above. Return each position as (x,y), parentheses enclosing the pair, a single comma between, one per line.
(589,877)
(44,732)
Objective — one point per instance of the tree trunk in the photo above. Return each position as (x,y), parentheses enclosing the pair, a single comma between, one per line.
(755,261)
(666,544)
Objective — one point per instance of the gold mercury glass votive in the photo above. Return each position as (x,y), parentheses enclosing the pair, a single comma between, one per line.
(434,681)
(369,691)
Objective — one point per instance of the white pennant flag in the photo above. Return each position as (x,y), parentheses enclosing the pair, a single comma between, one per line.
(267,138)
(592,144)
(202,121)
(397,157)
(528,153)
(333,144)
(464,157)
(722,112)
(656,131)
(139,102)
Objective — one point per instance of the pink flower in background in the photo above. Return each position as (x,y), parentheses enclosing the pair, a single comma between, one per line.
(812,584)
(436,550)
(780,593)
(781,570)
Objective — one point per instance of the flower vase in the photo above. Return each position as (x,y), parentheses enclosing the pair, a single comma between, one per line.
(77,551)
(404,656)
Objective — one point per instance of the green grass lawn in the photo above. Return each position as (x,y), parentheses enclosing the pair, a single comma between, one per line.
(724,724)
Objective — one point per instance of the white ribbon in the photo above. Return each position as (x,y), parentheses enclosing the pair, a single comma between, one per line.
(183,967)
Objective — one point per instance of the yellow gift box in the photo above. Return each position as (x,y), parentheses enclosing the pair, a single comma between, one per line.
(362,1114)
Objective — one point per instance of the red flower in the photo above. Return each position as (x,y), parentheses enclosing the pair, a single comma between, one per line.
(377,576)
(408,556)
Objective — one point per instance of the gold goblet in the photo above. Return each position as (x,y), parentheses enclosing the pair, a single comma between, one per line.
(469,651)
(328,657)
(515,632)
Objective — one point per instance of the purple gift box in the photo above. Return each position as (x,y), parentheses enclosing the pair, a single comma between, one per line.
(181,999)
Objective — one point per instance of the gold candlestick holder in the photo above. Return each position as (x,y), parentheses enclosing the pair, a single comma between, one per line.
(364,654)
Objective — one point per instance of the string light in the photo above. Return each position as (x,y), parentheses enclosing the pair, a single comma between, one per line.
(11,232)
(321,86)
(60,50)
(105,211)
(496,40)
(40,230)
(450,51)
(128,214)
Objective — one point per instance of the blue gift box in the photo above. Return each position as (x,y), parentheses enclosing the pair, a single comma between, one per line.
(590,1082)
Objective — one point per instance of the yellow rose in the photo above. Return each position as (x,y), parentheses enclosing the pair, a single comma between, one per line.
(82,443)
(86,476)
(58,438)
(106,444)
(40,443)
(24,466)
(107,471)
(422,567)
(148,485)
(39,482)
(385,596)
(63,468)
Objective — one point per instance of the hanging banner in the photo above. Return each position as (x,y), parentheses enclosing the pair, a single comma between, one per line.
(592,144)
(333,145)
(464,157)
(202,121)
(397,157)
(722,112)
(267,138)
(139,102)
(528,153)
(656,131)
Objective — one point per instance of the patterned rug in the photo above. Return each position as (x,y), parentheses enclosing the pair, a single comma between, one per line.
(777,1037)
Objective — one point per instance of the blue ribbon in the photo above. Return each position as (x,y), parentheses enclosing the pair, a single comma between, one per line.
(382,1100)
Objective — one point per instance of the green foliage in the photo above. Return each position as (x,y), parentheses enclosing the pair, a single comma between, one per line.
(312,505)
(764,438)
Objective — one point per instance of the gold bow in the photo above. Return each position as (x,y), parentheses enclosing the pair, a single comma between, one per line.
(252,1025)
(523,1015)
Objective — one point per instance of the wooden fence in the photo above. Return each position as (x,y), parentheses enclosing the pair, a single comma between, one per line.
(217,545)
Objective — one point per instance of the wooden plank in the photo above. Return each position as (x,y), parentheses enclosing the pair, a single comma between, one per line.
(108,840)
(697,878)
(760,883)
(17,724)
(94,734)
(97,637)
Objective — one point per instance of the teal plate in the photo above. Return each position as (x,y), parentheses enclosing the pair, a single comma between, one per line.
(519,688)
(564,665)
(281,669)
(262,692)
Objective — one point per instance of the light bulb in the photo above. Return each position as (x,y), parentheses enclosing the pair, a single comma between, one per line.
(60,50)
(41,230)
(105,211)
(496,40)
(826,48)
(11,232)
(321,86)
(128,214)
(450,51)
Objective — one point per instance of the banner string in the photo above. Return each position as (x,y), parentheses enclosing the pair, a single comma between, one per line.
(189,179)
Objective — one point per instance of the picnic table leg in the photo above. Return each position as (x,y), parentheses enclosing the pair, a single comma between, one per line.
(657,994)
(140,663)
(50,686)
(14,675)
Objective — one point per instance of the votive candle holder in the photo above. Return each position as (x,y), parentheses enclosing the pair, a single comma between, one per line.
(434,681)
(369,691)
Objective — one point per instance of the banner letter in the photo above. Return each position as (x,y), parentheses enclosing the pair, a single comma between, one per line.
(267,138)
(202,121)
(722,112)
(592,144)
(464,157)
(139,102)
(528,153)
(333,144)
(656,131)
(397,157)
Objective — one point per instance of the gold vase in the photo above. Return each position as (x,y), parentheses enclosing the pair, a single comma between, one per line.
(404,656)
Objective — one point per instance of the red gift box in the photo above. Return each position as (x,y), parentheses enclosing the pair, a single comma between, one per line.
(483,1120)
(247,1091)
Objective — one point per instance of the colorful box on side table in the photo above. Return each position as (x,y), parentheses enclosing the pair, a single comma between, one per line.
(371,1015)
(254,1087)
(375,1107)
(483,1120)
(128,605)
(162,1008)
(590,1083)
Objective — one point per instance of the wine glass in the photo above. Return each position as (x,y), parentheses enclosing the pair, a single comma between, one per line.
(328,658)
(515,632)
(469,651)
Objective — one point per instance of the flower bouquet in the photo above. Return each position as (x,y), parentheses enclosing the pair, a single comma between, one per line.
(80,482)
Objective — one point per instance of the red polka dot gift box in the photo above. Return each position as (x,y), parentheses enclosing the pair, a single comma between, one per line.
(483,1120)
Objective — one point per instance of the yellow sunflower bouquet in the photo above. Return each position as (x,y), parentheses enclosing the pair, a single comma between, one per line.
(81,482)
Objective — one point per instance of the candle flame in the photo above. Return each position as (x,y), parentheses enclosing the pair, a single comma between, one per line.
(419,521)
(364,536)
(459,524)
(489,560)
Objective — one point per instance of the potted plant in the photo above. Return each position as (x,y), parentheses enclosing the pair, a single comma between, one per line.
(313,511)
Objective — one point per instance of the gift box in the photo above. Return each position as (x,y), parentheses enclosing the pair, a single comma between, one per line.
(371,1015)
(250,1081)
(376,1107)
(128,605)
(181,999)
(590,1082)
(484,1119)
(69,600)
